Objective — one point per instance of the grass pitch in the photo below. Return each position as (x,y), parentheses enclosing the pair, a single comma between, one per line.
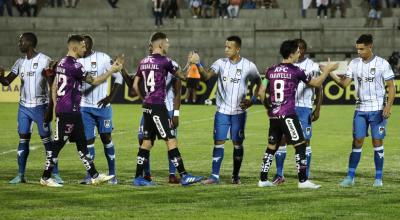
(331,144)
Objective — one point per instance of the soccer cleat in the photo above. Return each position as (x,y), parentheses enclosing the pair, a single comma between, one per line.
(140,181)
(211,180)
(49,182)
(113,181)
(87,180)
(172,179)
(236,180)
(18,179)
(148,178)
(190,179)
(57,178)
(101,178)
(265,184)
(278,180)
(308,185)
(378,183)
(347,182)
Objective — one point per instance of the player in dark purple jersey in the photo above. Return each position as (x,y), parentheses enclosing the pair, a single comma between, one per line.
(66,94)
(152,72)
(283,80)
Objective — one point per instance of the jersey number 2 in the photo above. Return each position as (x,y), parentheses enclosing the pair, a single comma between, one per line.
(149,82)
(63,78)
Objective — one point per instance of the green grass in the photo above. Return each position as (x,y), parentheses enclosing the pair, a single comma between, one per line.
(331,144)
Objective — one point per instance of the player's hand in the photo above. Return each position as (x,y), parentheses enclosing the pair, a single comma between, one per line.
(387,111)
(104,102)
(330,66)
(245,104)
(175,121)
(315,115)
(118,63)
(48,116)
(195,58)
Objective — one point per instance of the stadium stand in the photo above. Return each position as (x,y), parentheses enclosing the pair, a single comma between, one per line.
(127,28)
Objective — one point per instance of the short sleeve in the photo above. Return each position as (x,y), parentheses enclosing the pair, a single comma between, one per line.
(217,66)
(253,71)
(303,77)
(349,72)
(387,71)
(171,68)
(15,68)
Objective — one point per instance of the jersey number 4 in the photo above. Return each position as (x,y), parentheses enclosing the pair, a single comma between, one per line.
(149,82)
(60,90)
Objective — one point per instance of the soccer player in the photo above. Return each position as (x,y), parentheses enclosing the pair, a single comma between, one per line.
(66,94)
(95,105)
(172,102)
(34,100)
(233,72)
(370,74)
(152,72)
(304,110)
(283,81)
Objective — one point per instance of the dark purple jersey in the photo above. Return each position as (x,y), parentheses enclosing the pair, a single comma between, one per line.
(283,80)
(70,75)
(153,70)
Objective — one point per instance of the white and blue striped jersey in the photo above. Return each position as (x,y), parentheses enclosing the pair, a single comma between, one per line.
(96,64)
(232,83)
(34,86)
(169,98)
(369,79)
(304,93)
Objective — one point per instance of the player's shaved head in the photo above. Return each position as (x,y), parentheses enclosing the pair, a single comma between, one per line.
(159,43)
(31,38)
(157,36)
(235,39)
(76,45)
(288,47)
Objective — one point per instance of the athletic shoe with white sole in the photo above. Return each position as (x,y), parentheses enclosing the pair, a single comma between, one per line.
(308,185)
(49,182)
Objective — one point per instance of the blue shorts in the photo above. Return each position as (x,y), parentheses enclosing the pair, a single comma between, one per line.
(96,117)
(140,131)
(375,119)
(304,116)
(234,123)
(26,117)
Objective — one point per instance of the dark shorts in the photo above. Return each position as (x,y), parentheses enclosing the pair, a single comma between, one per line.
(156,122)
(69,127)
(192,83)
(288,126)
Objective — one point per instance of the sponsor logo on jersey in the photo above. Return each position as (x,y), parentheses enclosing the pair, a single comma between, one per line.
(94,65)
(107,123)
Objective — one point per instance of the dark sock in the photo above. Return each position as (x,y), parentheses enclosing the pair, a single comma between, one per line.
(237,159)
(176,159)
(301,162)
(266,164)
(142,159)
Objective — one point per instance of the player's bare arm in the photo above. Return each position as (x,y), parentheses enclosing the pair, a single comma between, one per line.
(107,100)
(205,74)
(177,101)
(49,73)
(341,80)
(136,82)
(127,78)
(317,103)
(181,74)
(247,103)
(5,81)
(387,110)
(116,67)
(317,82)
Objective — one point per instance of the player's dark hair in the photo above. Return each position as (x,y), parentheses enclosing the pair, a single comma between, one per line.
(365,39)
(288,47)
(88,37)
(75,38)
(157,36)
(301,43)
(235,39)
(31,37)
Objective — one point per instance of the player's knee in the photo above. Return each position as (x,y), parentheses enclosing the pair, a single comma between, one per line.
(377,142)
(25,136)
(219,142)
(358,143)
(90,141)
(106,138)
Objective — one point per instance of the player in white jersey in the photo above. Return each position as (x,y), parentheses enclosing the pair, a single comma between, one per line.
(370,74)
(233,72)
(304,110)
(95,105)
(34,100)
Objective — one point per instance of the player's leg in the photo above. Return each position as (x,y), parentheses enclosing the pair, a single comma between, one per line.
(280,157)
(171,168)
(105,127)
(378,131)
(304,116)
(294,134)
(221,127)
(237,134)
(45,134)
(89,122)
(24,131)
(146,168)
(360,127)
(274,136)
